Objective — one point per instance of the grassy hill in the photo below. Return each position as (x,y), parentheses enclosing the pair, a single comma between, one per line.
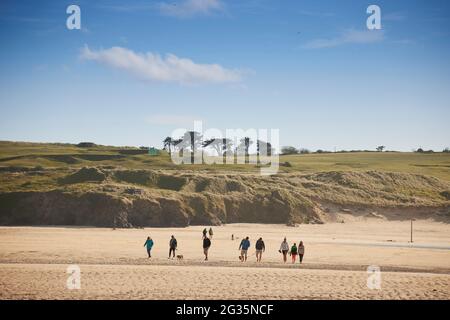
(108,186)
(23,154)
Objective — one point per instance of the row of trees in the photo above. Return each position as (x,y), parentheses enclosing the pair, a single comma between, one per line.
(292,150)
(420,150)
(193,141)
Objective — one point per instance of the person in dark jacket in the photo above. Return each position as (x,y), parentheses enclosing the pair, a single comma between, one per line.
(206,246)
(260,248)
(172,246)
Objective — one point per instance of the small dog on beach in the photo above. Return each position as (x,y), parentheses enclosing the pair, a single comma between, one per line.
(179,257)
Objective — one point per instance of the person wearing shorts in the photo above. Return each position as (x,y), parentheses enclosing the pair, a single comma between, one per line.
(260,248)
(245,244)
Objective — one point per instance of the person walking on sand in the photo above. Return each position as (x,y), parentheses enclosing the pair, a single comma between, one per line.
(260,248)
(210,232)
(301,251)
(149,244)
(172,246)
(204,233)
(284,249)
(206,245)
(245,244)
(294,252)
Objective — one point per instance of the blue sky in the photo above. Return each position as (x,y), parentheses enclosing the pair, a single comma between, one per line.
(137,70)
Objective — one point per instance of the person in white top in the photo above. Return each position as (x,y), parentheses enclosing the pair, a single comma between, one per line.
(284,249)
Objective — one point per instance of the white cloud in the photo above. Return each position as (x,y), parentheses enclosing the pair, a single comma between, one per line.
(172,120)
(189,8)
(152,67)
(350,36)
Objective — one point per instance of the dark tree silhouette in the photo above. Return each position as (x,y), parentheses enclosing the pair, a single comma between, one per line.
(289,150)
(245,144)
(304,151)
(168,142)
(193,140)
(263,147)
(176,143)
(220,145)
(214,143)
(227,145)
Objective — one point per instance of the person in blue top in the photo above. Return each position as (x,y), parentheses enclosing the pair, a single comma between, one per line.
(245,244)
(149,245)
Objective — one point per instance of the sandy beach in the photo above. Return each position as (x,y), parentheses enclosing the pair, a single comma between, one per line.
(114,263)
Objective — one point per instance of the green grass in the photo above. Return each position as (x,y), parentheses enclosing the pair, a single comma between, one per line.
(308,189)
(65,156)
(436,164)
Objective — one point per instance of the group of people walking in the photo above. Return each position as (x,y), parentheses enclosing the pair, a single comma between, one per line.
(173,244)
(260,247)
(244,246)
(293,251)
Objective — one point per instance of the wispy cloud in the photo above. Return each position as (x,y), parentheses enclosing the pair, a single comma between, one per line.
(349,36)
(153,67)
(393,16)
(189,8)
(172,120)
